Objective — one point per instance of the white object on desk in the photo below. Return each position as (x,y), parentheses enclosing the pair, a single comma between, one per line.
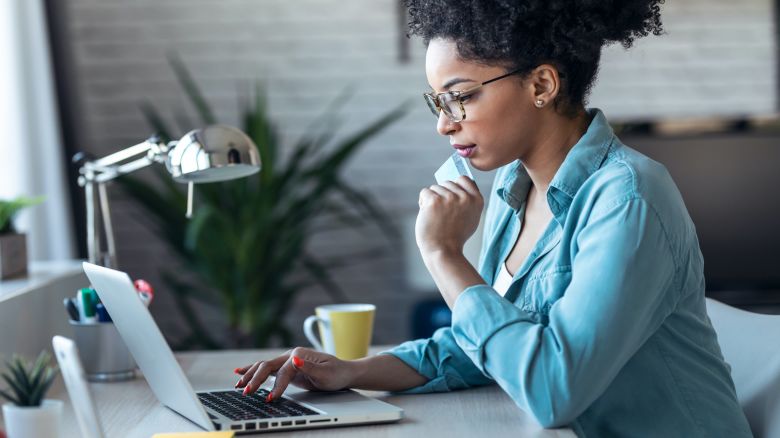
(76,381)
(749,344)
(34,421)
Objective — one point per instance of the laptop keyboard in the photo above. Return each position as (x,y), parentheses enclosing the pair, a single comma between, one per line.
(238,407)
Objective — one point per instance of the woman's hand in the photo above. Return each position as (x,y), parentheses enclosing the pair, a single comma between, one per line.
(303,367)
(449,215)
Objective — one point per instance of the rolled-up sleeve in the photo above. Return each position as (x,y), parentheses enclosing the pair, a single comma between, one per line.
(441,361)
(618,296)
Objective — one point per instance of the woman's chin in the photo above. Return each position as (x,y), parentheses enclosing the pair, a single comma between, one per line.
(483,165)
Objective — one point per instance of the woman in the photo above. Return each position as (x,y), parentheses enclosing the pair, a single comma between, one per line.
(588,307)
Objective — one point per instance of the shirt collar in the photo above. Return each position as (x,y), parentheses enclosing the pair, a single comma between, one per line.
(584,158)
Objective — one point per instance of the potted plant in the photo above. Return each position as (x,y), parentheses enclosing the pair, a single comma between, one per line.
(27,414)
(13,245)
(244,250)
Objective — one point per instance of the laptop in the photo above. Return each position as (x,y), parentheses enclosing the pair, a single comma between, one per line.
(222,409)
(76,382)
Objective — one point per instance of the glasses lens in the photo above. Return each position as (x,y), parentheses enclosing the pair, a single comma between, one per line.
(451,107)
(431,104)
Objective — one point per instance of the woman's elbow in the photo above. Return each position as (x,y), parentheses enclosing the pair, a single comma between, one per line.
(551,413)
(552,421)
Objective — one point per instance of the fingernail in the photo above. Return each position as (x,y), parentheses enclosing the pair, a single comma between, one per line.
(237,370)
(269,398)
(297,361)
(246,390)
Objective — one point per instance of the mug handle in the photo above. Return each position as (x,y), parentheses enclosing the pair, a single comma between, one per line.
(308,330)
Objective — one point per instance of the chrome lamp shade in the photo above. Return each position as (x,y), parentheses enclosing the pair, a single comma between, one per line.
(214,153)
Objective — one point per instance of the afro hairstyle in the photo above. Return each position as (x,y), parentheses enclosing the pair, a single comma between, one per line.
(523,34)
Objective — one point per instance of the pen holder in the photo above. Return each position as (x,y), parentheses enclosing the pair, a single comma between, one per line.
(103,352)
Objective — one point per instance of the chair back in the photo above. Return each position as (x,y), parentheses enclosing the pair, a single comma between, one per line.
(750,343)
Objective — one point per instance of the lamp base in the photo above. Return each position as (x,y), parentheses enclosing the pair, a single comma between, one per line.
(13,255)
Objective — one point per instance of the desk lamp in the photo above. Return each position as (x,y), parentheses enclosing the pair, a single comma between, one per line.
(210,154)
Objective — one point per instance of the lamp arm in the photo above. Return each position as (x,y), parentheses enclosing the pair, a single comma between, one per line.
(124,154)
(112,172)
(94,176)
(108,167)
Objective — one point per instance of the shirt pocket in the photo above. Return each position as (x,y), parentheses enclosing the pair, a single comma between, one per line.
(542,289)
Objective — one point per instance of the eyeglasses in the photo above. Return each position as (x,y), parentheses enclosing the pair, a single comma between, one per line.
(451,102)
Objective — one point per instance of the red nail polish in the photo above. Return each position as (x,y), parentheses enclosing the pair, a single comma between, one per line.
(237,370)
(246,390)
(269,398)
(297,361)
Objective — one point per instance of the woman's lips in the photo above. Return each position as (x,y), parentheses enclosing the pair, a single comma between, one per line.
(465,151)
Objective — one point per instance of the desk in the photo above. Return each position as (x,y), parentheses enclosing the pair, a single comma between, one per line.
(130,409)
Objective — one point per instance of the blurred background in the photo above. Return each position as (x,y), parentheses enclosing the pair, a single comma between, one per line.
(97,76)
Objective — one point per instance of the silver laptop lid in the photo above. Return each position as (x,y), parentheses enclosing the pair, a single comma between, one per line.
(145,342)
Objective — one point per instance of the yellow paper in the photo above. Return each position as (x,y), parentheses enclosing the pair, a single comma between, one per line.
(226,434)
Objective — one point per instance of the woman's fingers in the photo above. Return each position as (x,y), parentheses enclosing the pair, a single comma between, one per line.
(468,185)
(312,370)
(426,197)
(462,188)
(444,192)
(242,370)
(286,374)
(259,373)
(263,372)
(302,367)
(248,374)
(457,189)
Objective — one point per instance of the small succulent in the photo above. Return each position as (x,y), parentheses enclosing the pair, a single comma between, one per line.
(27,382)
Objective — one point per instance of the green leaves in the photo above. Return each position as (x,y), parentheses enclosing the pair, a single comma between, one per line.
(27,384)
(245,246)
(9,209)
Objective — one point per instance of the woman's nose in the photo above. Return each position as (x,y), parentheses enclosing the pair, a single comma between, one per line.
(445,126)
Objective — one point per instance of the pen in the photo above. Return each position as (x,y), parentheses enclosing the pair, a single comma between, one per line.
(78,303)
(88,300)
(102,313)
(73,311)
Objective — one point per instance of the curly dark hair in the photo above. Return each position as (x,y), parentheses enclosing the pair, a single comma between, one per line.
(523,34)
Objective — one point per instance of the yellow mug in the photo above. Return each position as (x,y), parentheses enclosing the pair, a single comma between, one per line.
(345,329)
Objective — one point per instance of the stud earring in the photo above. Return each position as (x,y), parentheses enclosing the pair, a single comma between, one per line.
(540,103)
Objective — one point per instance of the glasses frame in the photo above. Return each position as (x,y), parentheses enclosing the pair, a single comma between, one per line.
(436,105)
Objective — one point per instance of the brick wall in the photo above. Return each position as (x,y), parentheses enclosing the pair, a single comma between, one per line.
(718,58)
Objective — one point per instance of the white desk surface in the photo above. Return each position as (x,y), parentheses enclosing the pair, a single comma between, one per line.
(130,409)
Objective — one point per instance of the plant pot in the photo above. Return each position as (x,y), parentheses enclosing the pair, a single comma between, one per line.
(13,255)
(33,422)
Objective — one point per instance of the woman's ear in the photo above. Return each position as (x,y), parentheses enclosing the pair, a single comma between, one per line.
(545,84)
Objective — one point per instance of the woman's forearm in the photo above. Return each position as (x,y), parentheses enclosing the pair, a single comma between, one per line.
(451,272)
(384,372)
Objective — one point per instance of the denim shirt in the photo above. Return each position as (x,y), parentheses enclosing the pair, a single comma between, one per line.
(604,327)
